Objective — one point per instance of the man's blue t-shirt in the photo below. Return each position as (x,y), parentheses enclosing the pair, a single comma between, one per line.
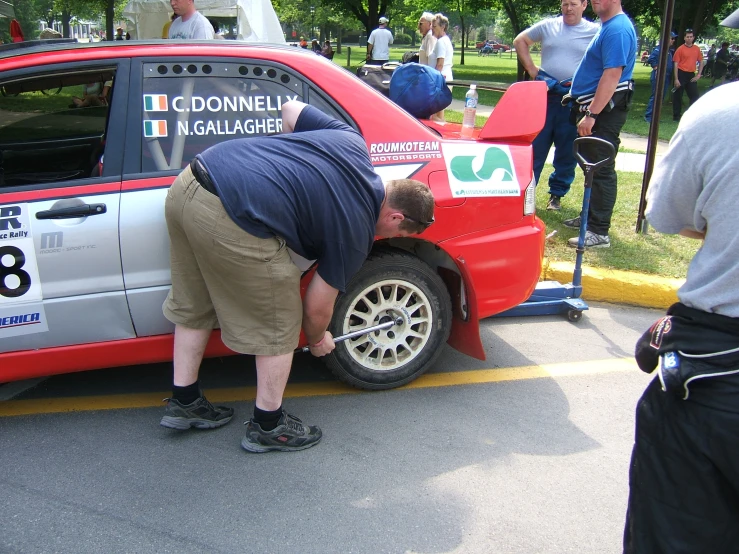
(613,46)
(315,188)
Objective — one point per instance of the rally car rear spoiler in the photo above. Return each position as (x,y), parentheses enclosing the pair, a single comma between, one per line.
(519,114)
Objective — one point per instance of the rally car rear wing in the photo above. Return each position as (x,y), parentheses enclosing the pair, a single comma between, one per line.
(520,113)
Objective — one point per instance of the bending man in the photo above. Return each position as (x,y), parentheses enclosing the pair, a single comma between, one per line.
(233,215)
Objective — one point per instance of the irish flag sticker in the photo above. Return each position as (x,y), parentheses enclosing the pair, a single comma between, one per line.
(155,128)
(155,102)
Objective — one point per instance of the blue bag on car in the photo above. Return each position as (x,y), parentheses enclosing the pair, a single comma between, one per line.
(420,90)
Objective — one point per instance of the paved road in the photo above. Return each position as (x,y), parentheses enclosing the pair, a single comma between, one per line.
(530,456)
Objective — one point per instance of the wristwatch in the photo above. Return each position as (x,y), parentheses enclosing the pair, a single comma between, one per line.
(588,113)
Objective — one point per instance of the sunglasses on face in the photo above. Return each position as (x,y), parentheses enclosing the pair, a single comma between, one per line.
(424,224)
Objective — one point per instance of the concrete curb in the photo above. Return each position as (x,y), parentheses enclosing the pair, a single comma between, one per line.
(618,287)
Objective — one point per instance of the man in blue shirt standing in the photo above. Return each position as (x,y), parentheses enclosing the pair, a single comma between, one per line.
(653,62)
(601,92)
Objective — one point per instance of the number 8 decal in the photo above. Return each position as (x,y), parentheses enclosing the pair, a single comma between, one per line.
(19,260)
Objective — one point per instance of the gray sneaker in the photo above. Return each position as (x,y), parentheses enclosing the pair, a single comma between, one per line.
(591,241)
(573,223)
(200,414)
(290,434)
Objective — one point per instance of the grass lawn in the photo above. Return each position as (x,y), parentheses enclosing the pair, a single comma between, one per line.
(667,255)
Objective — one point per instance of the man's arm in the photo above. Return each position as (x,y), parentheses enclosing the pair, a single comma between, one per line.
(653,59)
(290,114)
(318,307)
(676,186)
(370,44)
(692,234)
(700,71)
(522,43)
(603,94)
(675,61)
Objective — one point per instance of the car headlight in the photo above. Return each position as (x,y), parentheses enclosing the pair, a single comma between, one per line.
(529,199)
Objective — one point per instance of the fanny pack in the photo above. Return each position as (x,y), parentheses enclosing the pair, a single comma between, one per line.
(624,90)
(690,345)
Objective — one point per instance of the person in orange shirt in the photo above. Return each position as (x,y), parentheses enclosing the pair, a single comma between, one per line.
(686,57)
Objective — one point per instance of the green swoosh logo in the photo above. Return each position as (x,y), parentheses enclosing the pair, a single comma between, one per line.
(494,158)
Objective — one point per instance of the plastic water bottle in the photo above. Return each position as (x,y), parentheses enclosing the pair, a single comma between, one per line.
(470,109)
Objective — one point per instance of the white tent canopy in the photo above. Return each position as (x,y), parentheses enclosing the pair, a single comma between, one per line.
(256,19)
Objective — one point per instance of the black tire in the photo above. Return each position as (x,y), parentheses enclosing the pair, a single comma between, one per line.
(574,315)
(388,284)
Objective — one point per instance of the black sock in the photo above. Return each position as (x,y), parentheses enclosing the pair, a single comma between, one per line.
(267,420)
(188,394)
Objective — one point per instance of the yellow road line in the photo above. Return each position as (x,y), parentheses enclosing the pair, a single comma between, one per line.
(241,394)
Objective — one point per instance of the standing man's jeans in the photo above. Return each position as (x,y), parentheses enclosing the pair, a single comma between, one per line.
(605,183)
(689,86)
(558,130)
(653,81)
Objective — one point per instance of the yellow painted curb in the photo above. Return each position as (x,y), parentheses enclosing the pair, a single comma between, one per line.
(618,287)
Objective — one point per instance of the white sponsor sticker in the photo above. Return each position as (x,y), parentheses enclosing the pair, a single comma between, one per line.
(19,279)
(22,319)
(480,170)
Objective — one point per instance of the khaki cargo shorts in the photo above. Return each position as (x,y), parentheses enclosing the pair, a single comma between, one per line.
(223,276)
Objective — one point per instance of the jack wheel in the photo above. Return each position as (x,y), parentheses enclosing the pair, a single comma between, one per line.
(574,315)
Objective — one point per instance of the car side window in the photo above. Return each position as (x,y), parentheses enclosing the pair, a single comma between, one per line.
(188,107)
(52,126)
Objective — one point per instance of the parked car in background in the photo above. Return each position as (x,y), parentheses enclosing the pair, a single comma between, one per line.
(492,47)
(84,250)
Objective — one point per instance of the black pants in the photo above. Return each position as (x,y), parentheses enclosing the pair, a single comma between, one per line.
(688,86)
(605,183)
(684,475)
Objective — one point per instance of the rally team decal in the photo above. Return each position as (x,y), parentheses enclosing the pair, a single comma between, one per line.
(408,151)
(480,170)
(21,310)
(222,115)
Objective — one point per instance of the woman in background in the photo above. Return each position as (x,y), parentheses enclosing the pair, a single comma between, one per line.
(442,55)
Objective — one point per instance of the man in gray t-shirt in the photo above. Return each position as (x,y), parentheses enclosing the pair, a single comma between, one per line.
(683,478)
(564,40)
(190,24)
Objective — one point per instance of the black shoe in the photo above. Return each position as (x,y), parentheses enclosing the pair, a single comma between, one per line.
(290,434)
(200,414)
(573,223)
(554,203)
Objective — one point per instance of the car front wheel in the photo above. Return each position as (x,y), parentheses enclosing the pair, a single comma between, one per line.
(389,285)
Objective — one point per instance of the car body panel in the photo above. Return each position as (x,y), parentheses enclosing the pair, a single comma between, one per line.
(490,250)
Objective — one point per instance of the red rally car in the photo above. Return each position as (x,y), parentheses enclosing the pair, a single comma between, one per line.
(92,135)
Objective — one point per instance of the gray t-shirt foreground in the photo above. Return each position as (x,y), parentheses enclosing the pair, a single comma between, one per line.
(696,185)
(562,45)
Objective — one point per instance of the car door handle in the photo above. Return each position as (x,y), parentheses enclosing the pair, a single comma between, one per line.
(73,211)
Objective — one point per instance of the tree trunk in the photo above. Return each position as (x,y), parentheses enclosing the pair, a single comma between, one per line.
(109,15)
(66,18)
